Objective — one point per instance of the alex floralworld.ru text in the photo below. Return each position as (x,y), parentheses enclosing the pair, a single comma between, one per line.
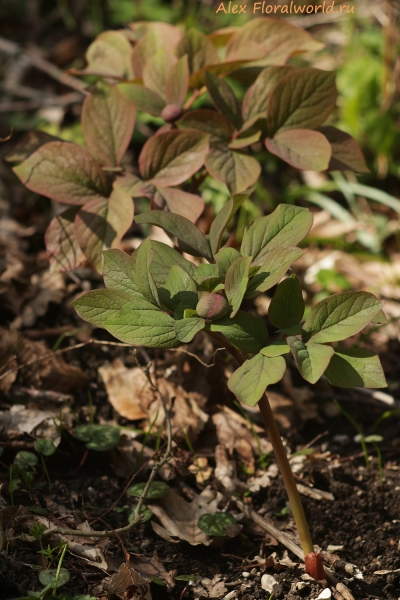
(266,8)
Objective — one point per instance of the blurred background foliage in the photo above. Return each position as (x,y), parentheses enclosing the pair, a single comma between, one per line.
(360,212)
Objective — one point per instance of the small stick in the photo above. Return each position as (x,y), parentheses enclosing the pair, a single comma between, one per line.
(101,343)
(122,530)
(33,59)
(269,528)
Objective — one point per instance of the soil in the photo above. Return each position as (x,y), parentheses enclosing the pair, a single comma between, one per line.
(364,518)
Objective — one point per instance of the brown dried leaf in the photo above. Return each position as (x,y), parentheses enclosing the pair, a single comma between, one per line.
(128,390)
(232,429)
(179,518)
(214,588)
(128,579)
(149,568)
(44,288)
(51,372)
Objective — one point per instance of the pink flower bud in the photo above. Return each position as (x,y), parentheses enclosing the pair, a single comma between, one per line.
(171,113)
(212,306)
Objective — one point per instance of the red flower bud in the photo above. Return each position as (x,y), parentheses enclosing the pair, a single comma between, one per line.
(212,306)
(171,113)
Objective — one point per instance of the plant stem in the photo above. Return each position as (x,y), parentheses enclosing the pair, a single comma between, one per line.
(313,561)
(60,562)
(287,475)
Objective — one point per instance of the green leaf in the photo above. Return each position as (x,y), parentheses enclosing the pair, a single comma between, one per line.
(346,153)
(221,221)
(26,460)
(255,102)
(156,37)
(158,489)
(182,228)
(28,145)
(144,99)
(303,99)
(164,257)
(287,305)
(371,439)
(380,318)
(145,514)
(236,169)
(170,158)
(152,328)
(61,245)
(199,49)
(244,139)
(245,331)
(179,290)
(97,437)
(223,98)
(44,446)
(311,359)
(215,524)
(186,329)
(63,172)
(301,148)
(119,273)
(340,316)
(250,381)
(135,187)
(277,348)
(177,82)
(224,258)
(355,367)
(237,278)
(275,41)
(155,71)
(144,278)
(210,122)
(285,226)
(207,276)
(101,224)
(108,119)
(274,266)
(110,54)
(98,306)
(182,203)
(49,577)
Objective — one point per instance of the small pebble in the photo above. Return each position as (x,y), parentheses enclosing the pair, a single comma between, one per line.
(245,574)
(230,595)
(332,548)
(301,585)
(307,577)
(325,594)
(268,582)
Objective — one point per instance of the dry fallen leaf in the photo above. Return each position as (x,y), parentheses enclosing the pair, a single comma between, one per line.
(132,396)
(210,588)
(128,581)
(51,372)
(44,288)
(179,518)
(128,390)
(152,567)
(234,433)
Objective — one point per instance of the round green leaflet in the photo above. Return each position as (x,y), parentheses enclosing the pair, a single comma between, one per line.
(145,514)
(158,489)
(215,524)
(26,460)
(49,577)
(98,437)
(44,446)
